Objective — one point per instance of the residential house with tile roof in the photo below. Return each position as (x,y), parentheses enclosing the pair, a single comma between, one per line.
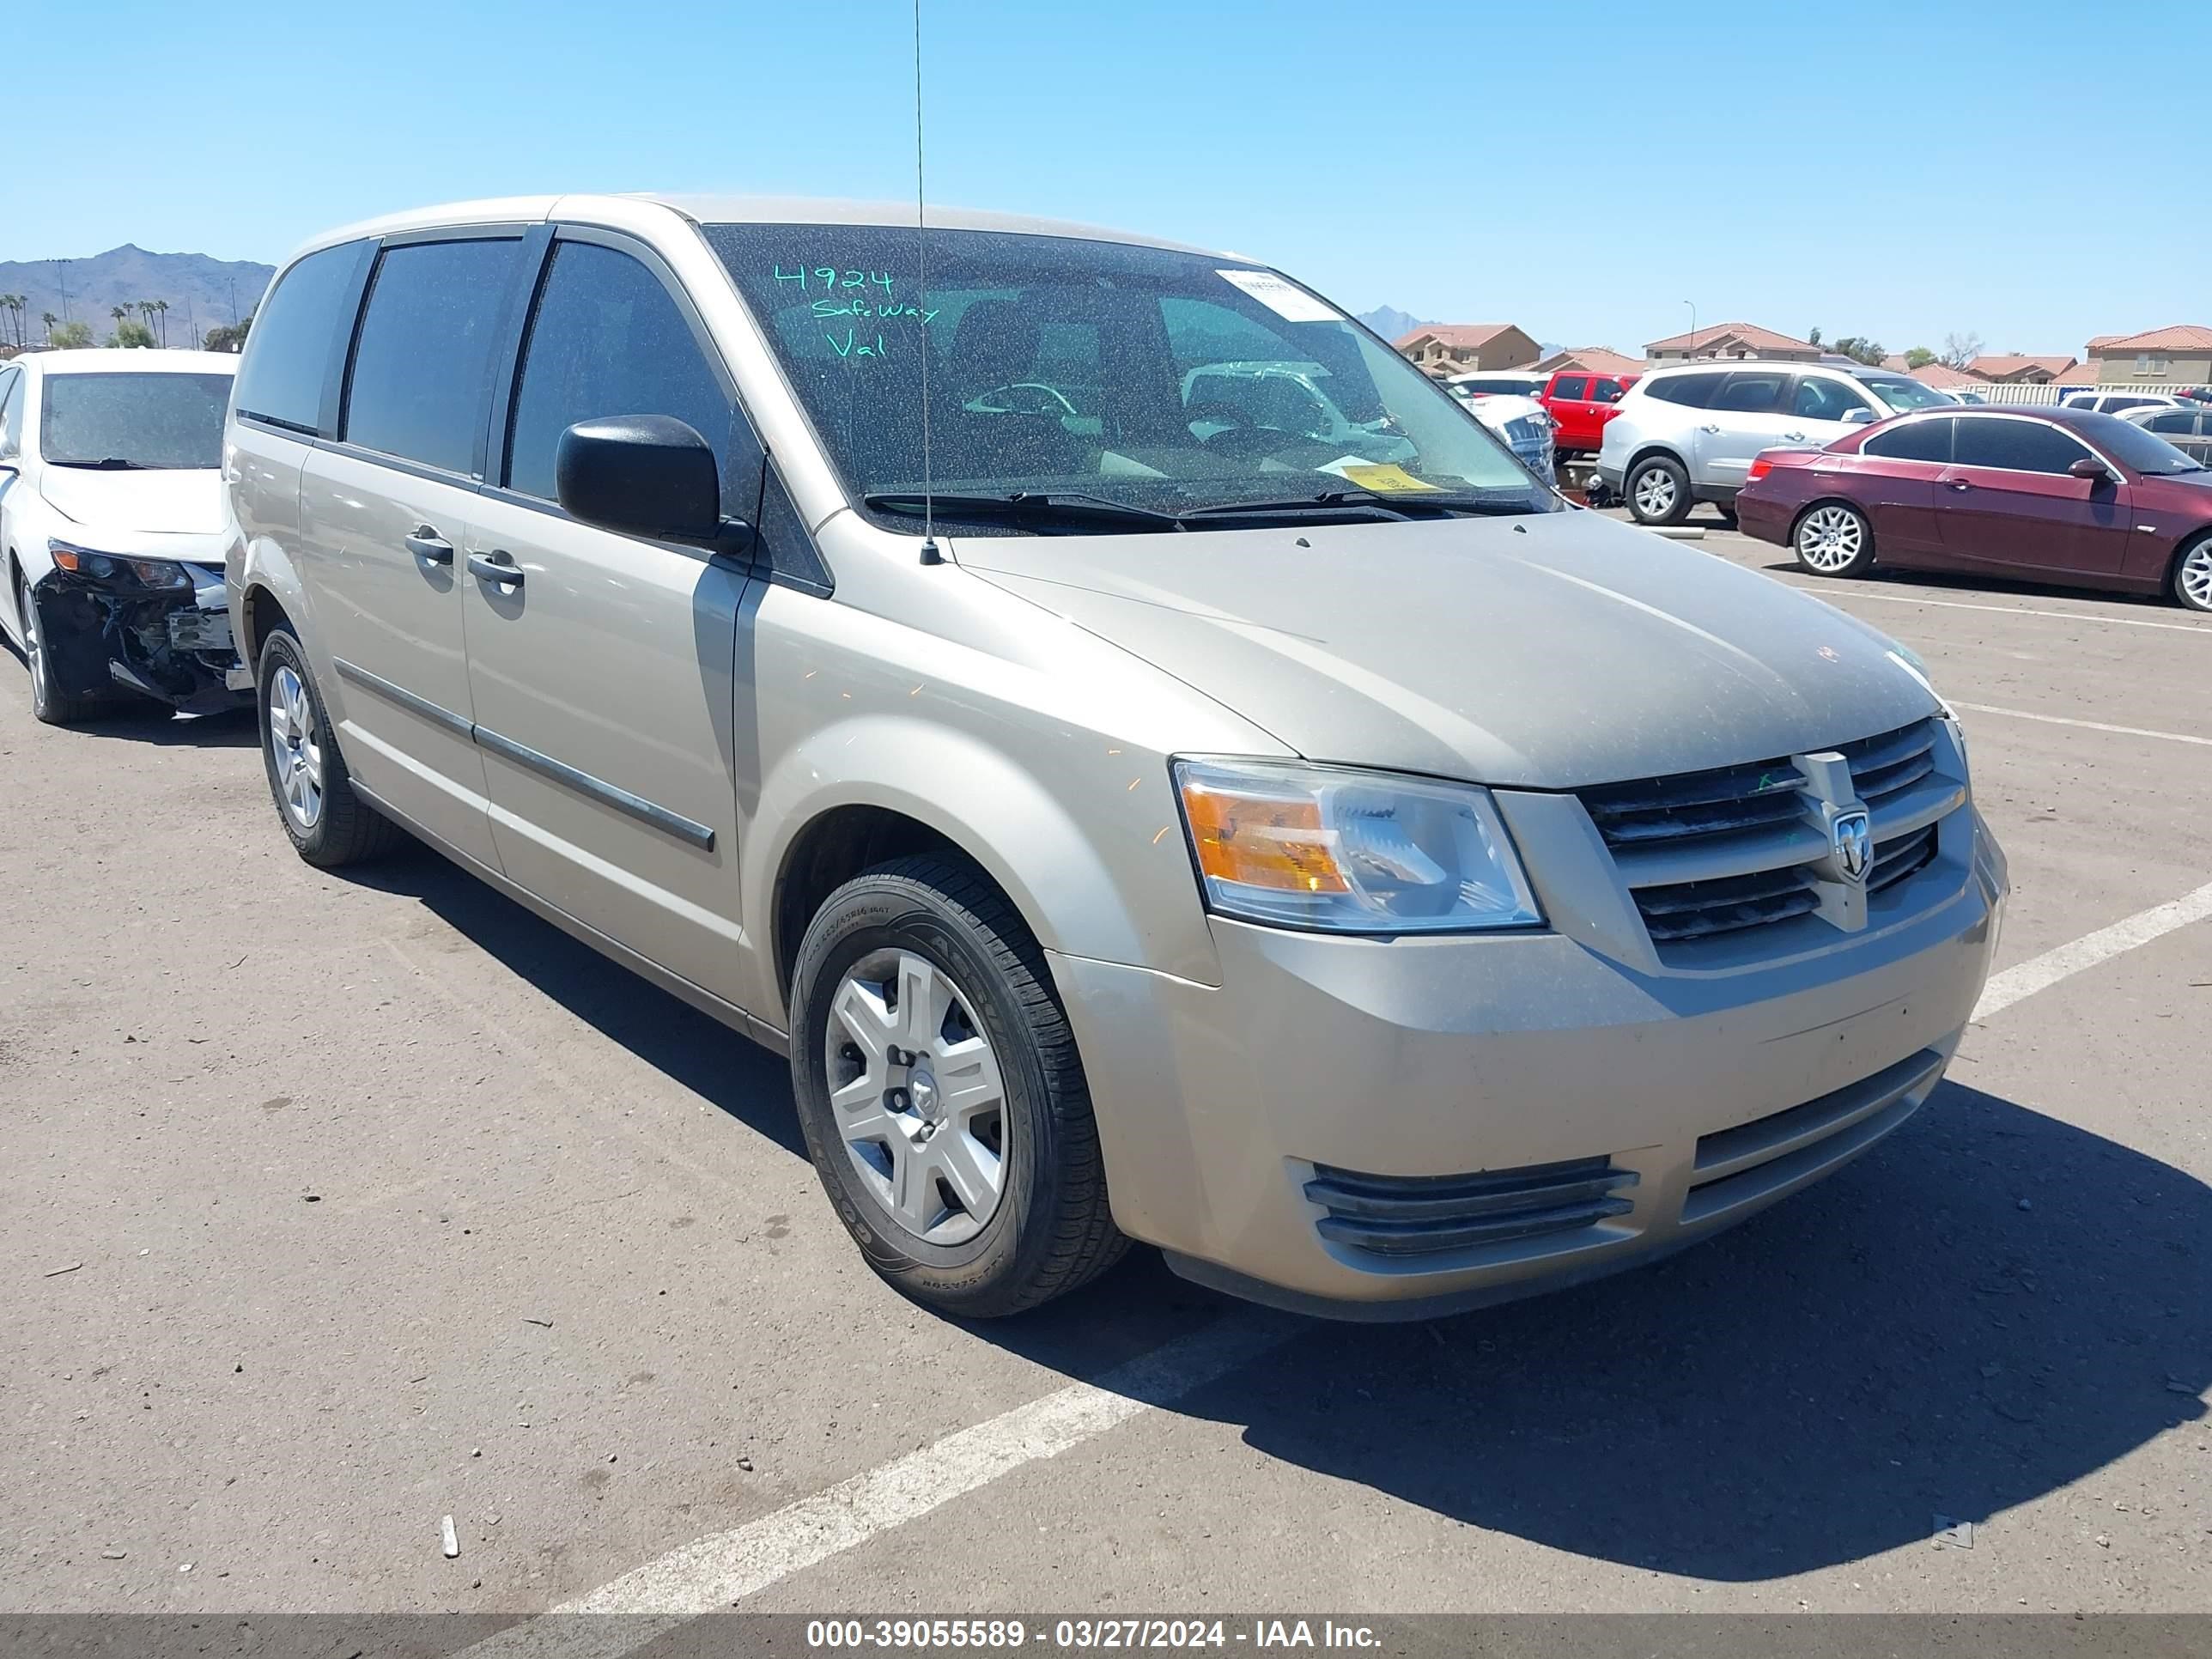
(1443,349)
(1729,341)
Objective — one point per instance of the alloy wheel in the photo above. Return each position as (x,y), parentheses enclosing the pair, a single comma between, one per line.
(918,1095)
(1830,538)
(2194,577)
(294,748)
(1654,492)
(34,647)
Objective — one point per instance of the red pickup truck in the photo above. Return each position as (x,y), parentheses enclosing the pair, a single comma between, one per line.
(1580,404)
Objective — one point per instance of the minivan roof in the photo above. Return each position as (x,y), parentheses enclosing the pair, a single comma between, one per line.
(707,210)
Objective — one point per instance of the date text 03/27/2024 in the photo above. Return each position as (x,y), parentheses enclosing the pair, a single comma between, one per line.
(1083,1634)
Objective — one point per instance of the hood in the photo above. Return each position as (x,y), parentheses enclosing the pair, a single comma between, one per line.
(176,501)
(1550,651)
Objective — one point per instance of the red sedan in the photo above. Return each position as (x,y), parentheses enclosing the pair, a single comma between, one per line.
(2041,494)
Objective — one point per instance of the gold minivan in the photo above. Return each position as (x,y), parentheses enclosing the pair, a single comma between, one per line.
(1281,830)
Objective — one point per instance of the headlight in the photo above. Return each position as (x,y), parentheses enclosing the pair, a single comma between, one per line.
(1349,852)
(114,570)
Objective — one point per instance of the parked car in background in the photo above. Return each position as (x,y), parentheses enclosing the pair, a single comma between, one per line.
(1524,426)
(1580,404)
(2052,494)
(1269,848)
(2188,427)
(2116,402)
(1688,434)
(113,529)
(1286,398)
(1499,383)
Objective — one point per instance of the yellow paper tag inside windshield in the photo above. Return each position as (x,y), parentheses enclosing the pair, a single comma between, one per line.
(1383,476)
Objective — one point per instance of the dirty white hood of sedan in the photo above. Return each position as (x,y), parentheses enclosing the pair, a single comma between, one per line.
(174,501)
(1548,651)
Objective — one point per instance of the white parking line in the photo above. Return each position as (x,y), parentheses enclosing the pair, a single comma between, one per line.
(2086,725)
(724,1568)
(2038,973)
(1834,593)
(710,1573)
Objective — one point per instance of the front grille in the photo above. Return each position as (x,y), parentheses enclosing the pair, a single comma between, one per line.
(1733,849)
(1421,1215)
(1727,904)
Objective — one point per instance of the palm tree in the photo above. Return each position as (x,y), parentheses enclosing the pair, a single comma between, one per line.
(49,319)
(122,314)
(145,310)
(161,315)
(12,304)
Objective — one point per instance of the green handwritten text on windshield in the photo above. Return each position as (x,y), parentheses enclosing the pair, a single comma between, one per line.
(853,306)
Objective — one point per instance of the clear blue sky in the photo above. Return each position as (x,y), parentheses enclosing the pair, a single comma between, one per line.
(1896,170)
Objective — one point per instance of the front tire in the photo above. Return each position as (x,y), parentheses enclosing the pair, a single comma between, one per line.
(941,1095)
(47,704)
(328,823)
(2192,575)
(1833,539)
(1658,491)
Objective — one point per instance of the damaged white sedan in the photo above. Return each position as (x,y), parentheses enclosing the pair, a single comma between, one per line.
(113,527)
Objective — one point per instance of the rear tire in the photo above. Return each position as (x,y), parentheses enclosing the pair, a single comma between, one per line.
(1832,539)
(328,824)
(1658,491)
(47,704)
(956,958)
(2191,586)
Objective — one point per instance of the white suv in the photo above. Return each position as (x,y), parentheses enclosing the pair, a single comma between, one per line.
(1688,434)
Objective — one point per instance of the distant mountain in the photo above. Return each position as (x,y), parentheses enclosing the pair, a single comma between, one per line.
(1387,320)
(199,289)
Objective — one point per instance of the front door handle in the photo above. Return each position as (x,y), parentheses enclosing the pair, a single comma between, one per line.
(1708,428)
(1960,483)
(1795,437)
(426,542)
(495,568)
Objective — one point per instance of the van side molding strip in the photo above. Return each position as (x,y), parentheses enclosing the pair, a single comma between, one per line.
(599,789)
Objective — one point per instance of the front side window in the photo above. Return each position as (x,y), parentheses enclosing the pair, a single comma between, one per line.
(1751,392)
(2016,445)
(607,339)
(1605,391)
(131,422)
(1915,441)
(1571,388)
(1902,392)
(288,349)
(1143,377)
(421,370)
(1821,399)
(2172,420)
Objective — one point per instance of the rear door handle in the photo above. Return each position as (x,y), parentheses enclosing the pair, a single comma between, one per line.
(1795,437)
(1960,483)
(495,568)
(1708,428)
(427,543)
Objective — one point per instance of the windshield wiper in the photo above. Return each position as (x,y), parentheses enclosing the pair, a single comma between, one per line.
(1022,504)
(106,464)
(1329,501)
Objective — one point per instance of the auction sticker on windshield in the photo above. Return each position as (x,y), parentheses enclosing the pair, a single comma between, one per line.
(1286,300)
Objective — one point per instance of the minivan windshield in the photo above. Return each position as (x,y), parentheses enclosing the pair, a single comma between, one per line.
(1148,382)
(131,421)
(1902,392)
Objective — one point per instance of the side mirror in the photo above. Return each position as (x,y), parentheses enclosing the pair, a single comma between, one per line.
(2091,468)
(645,475)
(1860,417)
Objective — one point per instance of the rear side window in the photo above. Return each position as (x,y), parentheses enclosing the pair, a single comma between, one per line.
(2173,420)
(1605,391)
(2019,445)
(1753,394)
(608,339)
(1695,390)
(422,371)
(1573,386)
(290,348)
(11,410)
(1915,441)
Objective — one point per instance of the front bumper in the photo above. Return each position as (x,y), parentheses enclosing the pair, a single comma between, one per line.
(173,645)
(1337,1063)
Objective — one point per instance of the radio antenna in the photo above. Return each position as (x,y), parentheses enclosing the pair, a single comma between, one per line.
(929,551)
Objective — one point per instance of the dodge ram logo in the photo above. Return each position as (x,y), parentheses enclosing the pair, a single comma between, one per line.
(1850,841)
